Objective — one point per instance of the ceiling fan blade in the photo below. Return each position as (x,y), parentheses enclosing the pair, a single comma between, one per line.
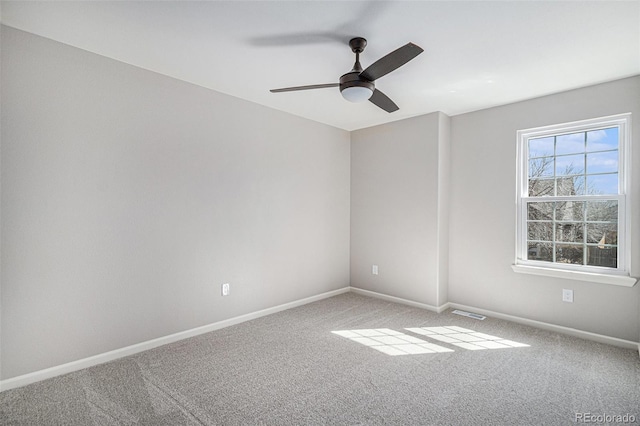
(381,100)
(392,61)
(298,39)
(314,86)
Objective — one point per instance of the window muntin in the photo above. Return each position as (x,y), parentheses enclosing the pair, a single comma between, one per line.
(572,202)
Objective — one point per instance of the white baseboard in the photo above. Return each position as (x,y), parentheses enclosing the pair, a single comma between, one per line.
(628,344)
(587,335)
(432,308)
(80,364)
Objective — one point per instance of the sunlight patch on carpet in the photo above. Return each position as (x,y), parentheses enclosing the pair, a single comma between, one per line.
(466,339)
(391,342)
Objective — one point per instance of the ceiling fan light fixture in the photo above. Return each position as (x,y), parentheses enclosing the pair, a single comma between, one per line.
(357,93)
(354,88)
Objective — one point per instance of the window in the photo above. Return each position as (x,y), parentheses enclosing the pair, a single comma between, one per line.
(572,215)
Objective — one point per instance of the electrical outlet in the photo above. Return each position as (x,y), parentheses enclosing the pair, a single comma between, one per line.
(374,269)
(567,295)
(225,289)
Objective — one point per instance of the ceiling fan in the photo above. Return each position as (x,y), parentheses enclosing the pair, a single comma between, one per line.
(358,85)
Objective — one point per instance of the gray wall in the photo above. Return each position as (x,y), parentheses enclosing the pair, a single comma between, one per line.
(482,227)
(129,197)
(395,214)
(430,186)
(444,204)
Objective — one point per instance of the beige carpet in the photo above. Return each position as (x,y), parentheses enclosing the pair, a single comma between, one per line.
(347,360)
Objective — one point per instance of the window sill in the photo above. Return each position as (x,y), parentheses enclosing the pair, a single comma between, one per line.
(620,280)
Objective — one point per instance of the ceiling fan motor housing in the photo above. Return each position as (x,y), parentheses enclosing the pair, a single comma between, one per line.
(353,79)
(355,88)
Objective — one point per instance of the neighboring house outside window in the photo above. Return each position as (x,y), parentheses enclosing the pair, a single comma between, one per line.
(572,212)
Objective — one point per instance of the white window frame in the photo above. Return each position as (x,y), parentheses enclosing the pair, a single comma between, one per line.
(616,276)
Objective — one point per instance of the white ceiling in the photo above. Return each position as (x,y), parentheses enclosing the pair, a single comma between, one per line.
(476,54)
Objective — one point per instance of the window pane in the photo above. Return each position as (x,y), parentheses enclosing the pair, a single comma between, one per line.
(570,165)
(602,162)
(602,211)
(540,147)
(540,251)
(578,185)
(540,231)
(569,253)
(602,184)
(573,185)
(540,187)
(539,167)
(607,257)
(602,140)
(570,144)
(567,211)
(570,232)
(540,211)
(602,233)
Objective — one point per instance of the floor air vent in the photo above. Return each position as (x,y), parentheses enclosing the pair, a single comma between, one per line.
(469,314)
